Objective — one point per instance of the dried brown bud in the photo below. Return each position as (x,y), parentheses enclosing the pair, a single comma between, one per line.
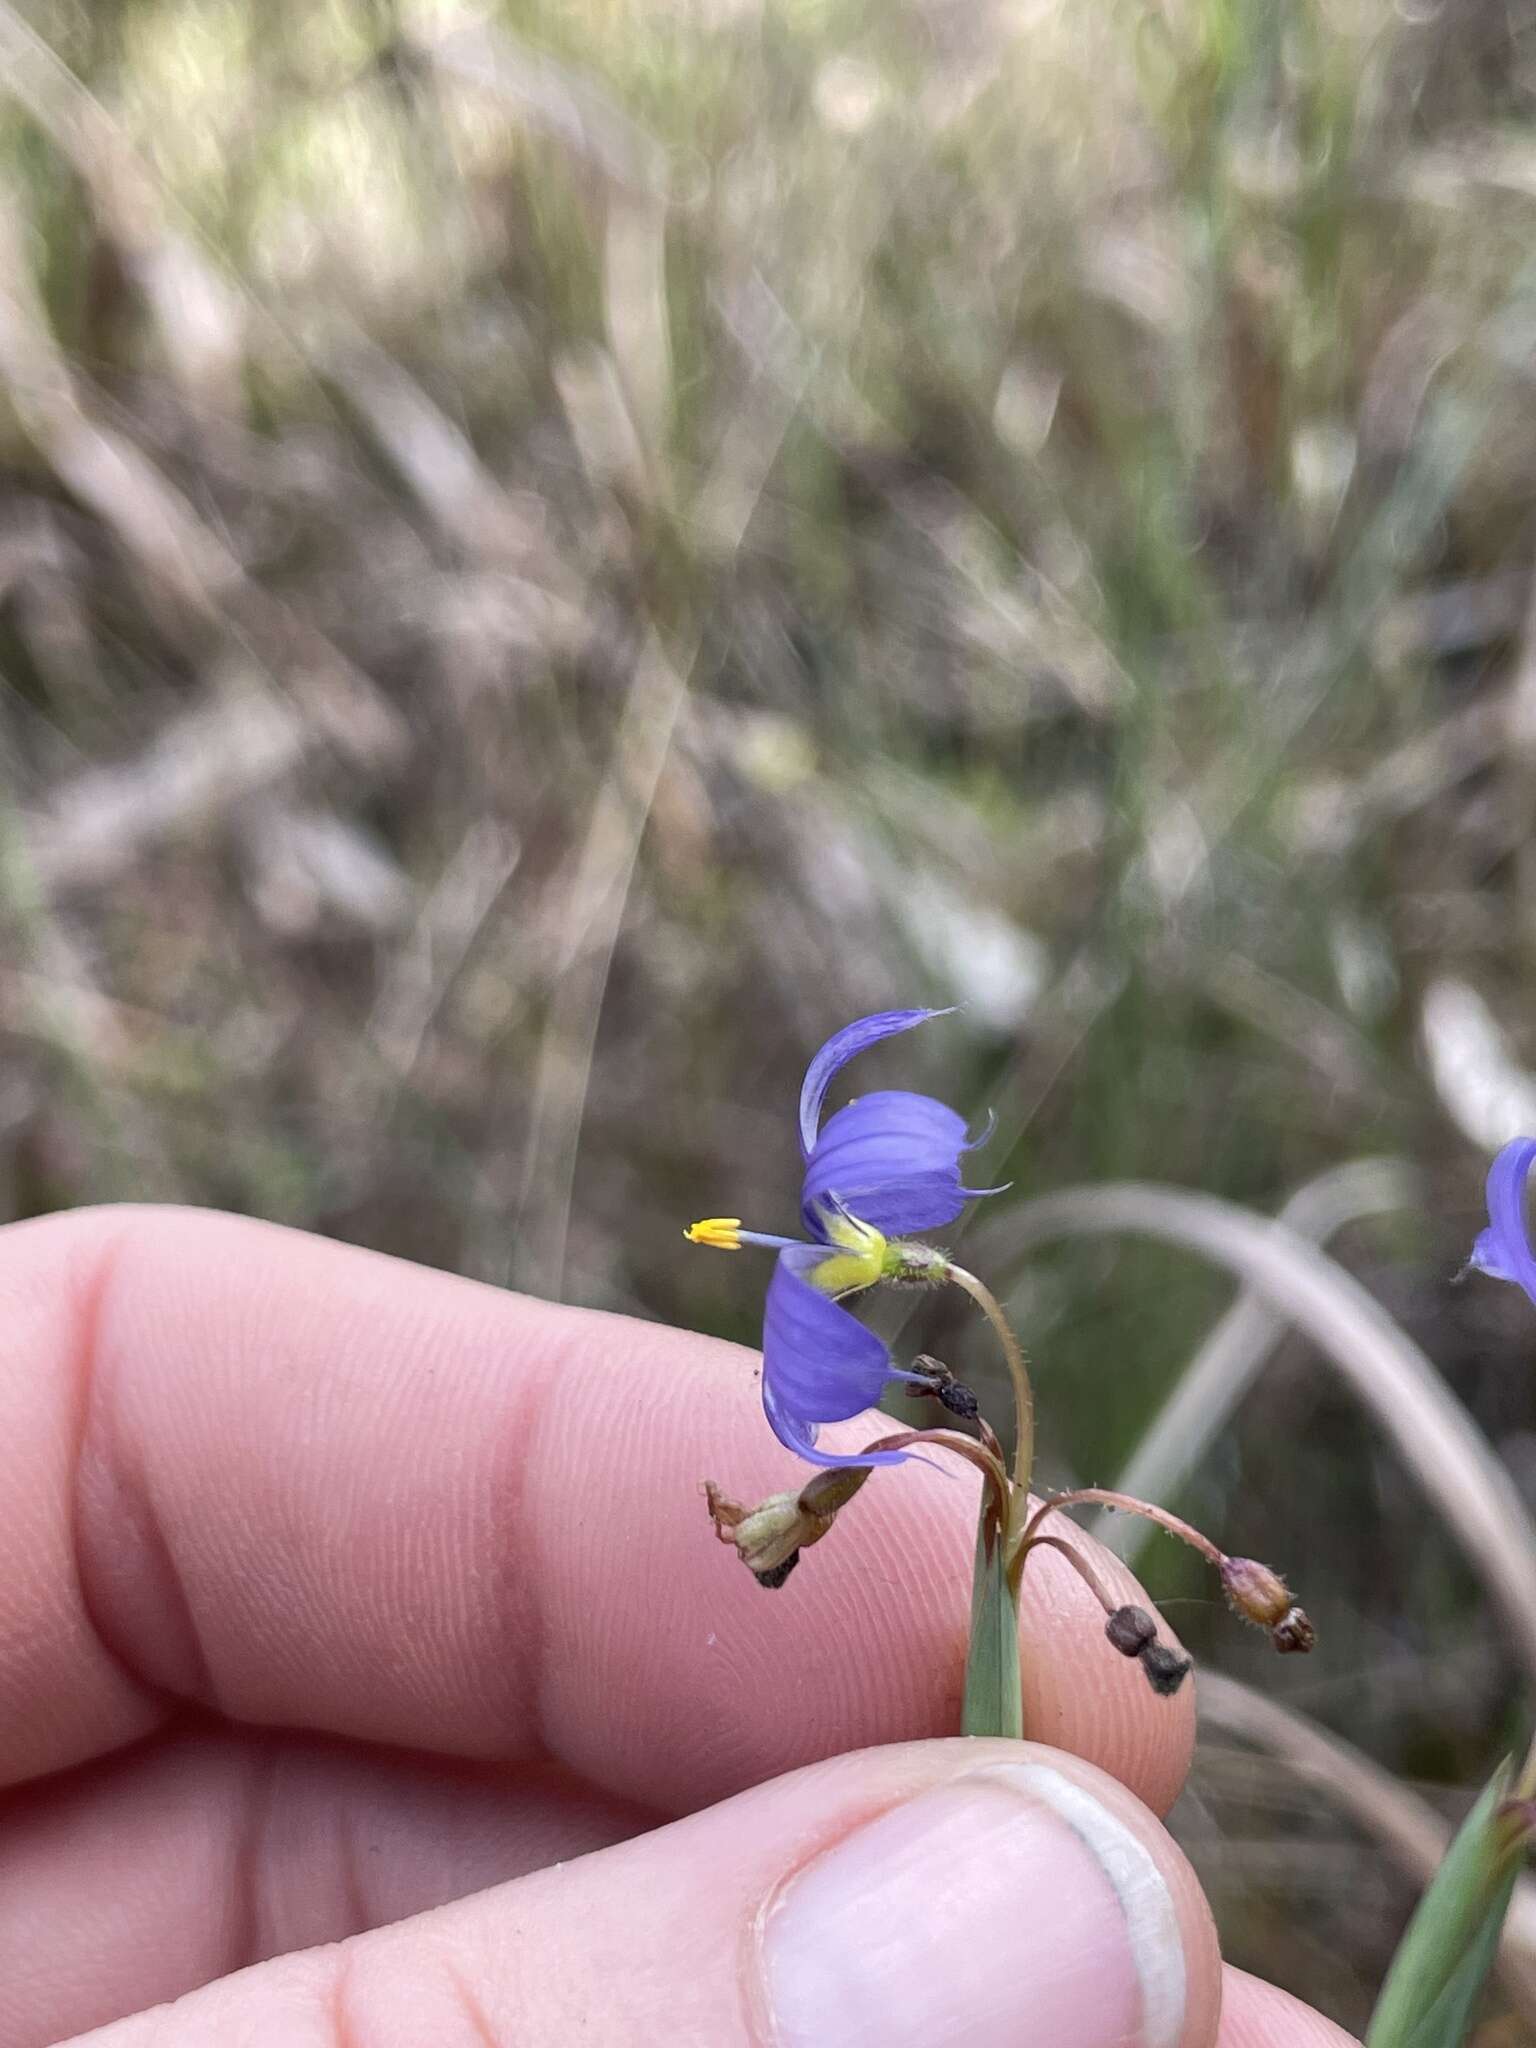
(1166,1669)
(941,1384)
(1130,1629)
(1293,1634)
(1255,1592)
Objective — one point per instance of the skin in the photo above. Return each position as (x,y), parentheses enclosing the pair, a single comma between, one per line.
(342,1595)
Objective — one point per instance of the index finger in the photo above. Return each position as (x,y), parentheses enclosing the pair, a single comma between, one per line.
(309,1486)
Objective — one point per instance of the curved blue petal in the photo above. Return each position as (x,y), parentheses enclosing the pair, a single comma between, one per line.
(1504,1248)
(891,1159)
(820,1364)
(839,1049)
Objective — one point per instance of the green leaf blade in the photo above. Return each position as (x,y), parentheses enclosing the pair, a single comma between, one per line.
(1432,1989)
(993,1698)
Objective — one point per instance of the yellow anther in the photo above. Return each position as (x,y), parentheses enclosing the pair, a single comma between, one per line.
(723,1233)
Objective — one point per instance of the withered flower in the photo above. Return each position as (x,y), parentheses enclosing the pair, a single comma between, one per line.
(770,1537)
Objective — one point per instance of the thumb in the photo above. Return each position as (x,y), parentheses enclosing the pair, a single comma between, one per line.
(915,1896)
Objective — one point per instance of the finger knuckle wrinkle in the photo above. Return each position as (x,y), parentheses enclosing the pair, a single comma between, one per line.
(373,1982)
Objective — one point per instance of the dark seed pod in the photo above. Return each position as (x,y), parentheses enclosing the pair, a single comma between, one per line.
(1130,1629)
(959,1400)
(1166,1669)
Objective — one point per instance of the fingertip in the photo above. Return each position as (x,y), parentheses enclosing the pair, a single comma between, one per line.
(955,1894)
(912,1925)
(1082,1695)
(1259,2015)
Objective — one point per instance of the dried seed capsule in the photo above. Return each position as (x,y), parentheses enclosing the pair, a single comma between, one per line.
(769,1538)
(959,1400)
(1255,1592)
(1130,1629)
(1293,1634)
(1166,1669)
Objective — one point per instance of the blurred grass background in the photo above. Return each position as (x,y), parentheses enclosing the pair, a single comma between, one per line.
(552,554)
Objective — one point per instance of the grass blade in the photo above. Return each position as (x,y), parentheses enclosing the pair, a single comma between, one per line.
(1406,1827)
(1443,1960)
(993,1700)
(1202,1402)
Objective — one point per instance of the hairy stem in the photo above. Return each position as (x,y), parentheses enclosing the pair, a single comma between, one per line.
(1103,1496)
(1018,1371)
(1074,1557)
(985,1458)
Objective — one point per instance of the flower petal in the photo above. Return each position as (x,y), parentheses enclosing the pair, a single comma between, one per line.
(839,1049)
(1504,1248)
(891,1159)
(820,1364)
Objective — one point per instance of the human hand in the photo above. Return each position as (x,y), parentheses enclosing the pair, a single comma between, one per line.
(342,1595)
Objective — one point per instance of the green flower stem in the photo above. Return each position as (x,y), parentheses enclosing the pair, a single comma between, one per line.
(993,1702)
(1018,1371)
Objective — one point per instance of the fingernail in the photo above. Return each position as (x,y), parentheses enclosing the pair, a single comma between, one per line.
(1004,1907)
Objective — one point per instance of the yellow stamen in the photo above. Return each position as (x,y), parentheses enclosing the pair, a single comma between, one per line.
(722,1233)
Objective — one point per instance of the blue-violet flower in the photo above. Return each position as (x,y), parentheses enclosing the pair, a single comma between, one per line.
(886,1165)
(1504,1248)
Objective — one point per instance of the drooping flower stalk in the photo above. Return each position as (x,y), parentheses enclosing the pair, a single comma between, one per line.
(1106,1497)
